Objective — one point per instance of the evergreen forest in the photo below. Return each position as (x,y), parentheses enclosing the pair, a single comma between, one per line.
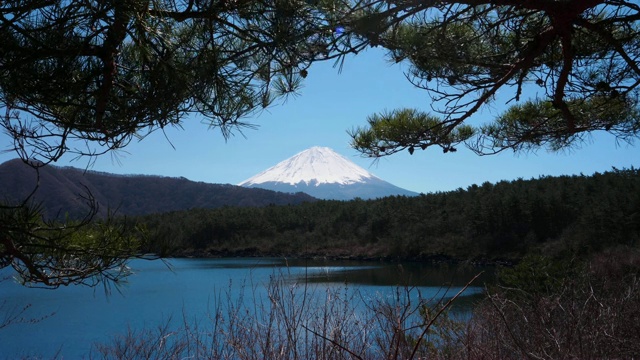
(553,216)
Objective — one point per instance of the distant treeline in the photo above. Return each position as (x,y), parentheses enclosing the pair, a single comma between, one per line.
(552,215)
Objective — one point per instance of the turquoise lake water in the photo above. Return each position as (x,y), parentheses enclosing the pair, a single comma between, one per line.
(74,318)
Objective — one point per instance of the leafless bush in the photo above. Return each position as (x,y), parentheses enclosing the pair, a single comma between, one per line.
(285,320)
(593,315)
(17,314)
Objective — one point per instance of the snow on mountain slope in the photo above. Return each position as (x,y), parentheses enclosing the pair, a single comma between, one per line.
(316,165)
(324,174)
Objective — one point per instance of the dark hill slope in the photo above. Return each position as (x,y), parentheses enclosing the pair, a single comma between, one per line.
(556,216)
(62,190)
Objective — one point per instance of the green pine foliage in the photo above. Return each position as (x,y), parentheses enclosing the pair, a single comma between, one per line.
(572,63)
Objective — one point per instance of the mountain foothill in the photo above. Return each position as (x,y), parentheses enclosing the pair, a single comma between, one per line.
(62,192)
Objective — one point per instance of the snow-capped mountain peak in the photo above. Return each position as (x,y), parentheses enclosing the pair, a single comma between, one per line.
(314,166)
(323,174)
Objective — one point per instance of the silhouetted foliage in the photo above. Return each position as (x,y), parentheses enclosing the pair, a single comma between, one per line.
(562,70)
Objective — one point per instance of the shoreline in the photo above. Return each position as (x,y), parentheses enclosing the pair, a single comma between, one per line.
(422,258)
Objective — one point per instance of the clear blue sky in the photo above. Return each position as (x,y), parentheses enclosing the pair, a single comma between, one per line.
(331,103)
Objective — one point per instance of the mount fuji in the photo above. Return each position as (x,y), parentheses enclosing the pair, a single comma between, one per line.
(323,174)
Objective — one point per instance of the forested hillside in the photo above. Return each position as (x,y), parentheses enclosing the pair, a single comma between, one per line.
(572,214)
(63,191)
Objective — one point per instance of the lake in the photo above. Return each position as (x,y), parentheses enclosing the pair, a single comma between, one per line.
(73,318)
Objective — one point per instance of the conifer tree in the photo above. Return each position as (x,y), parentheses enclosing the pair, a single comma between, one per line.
(564,69)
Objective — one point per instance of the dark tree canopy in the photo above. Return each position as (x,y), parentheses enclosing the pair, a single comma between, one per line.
(104,72)
(564,68)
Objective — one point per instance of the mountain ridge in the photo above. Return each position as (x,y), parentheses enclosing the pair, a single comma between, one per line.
(62,189)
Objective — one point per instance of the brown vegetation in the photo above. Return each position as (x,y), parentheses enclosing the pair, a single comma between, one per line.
(586,311)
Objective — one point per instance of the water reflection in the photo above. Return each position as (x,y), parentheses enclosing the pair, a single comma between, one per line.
(390,274)
(378,273)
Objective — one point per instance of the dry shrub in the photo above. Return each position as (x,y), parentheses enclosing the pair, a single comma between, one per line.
(298,321)
(543,310)
(592,313)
